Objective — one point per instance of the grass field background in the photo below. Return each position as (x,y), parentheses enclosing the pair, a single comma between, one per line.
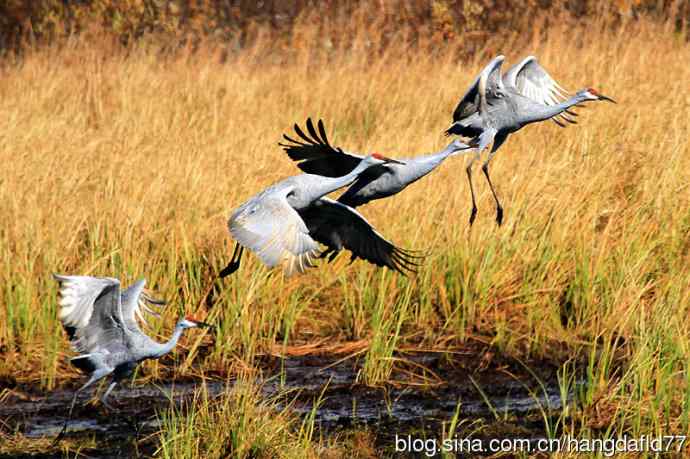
(127,164)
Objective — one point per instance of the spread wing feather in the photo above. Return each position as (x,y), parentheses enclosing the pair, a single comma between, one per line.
(490,82)
(135,303)
(90,311)
(271,228)
(338,227)
(315,154)
(464,122)
(531,80)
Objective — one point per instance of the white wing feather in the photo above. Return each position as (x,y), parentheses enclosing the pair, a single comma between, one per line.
(268,226)
(133,304)
(532,81)
(91,312)
(77,297)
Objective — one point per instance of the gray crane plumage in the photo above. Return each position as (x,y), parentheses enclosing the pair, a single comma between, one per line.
(284,224)
(101,322)
(315,155)
(497,105)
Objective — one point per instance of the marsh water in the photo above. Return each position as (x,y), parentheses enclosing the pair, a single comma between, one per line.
(324,387)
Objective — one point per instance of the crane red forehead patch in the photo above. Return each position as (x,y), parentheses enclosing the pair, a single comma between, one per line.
(191,319)
(378,156)
(593,91)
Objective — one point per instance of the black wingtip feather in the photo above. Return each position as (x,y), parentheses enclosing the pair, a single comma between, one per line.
(301,133)
(298,142)
(407,260)
(324,136)
(403,261)
(312,131)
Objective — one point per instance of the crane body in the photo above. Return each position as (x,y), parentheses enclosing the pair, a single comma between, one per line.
(316,155)
(101,322)
(278,224)
(496,106)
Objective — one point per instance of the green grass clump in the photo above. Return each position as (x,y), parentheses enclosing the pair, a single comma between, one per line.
(238,423)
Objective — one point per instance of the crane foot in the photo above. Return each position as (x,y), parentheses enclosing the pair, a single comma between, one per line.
(234,264)
(499,215)
(229,269)
(473,215)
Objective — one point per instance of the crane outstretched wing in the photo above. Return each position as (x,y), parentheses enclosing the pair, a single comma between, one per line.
(268,226)
(134,301)
(532,81)
(338,226)
(90,311)
(469,104)
(315,155)
(490,82)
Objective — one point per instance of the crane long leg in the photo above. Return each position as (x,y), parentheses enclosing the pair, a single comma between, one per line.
(498,141)
(499,208)
(105,396)
(473,213)
(129,419)
(483,140)
(234,262)
(98,374)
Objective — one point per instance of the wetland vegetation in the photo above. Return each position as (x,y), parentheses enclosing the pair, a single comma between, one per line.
(125,161)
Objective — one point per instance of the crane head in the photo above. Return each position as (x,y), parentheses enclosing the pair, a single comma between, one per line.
(593,94)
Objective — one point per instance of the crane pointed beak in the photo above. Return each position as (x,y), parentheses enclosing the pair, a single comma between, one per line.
(391,160)
(608,99)
(204,325)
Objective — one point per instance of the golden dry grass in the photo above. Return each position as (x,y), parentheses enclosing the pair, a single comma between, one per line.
(129,165)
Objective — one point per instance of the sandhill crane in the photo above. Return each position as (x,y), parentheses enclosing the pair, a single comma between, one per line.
(316,156)
(283,224)
(101,322)
(495,106)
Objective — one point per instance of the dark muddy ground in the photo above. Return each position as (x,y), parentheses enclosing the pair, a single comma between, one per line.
(505,400)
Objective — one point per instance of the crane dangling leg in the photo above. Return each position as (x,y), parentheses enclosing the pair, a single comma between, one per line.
(104,399)
(234,264)
(499,208)
(498,141)
(95,376)
(483,140)
(473,213)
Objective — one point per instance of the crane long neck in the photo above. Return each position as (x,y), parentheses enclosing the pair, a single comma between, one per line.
(329,184)
(546,112)
(164,348)
(418,167)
